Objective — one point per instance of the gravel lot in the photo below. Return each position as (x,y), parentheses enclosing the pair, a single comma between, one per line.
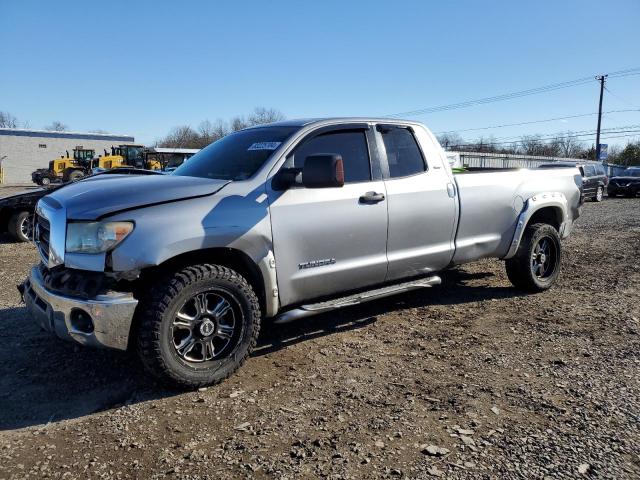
(471,379)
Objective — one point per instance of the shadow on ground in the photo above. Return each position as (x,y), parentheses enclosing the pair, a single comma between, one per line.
(6,238)
(43,379)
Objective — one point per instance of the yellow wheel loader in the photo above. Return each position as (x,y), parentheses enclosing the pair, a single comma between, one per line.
(128,155)
(66,168)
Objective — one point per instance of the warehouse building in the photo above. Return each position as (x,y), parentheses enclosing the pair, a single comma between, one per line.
(23,151)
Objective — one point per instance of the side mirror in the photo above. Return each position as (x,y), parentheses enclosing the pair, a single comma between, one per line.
(323,171)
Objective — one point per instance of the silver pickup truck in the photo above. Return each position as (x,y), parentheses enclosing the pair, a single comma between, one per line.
(279,222)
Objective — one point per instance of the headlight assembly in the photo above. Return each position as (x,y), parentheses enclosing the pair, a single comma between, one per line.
(96,237)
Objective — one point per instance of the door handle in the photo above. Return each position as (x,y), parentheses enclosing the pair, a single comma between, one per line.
(372,197)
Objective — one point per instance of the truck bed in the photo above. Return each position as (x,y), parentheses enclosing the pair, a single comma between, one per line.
(492,199)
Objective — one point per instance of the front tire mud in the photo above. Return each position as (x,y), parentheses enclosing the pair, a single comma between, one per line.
(179,331)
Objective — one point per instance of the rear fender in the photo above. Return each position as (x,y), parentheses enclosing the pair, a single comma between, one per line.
(555,200)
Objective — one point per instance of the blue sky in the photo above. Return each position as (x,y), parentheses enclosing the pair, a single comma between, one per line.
(141,67)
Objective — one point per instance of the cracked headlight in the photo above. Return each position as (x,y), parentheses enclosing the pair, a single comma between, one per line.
(96,237)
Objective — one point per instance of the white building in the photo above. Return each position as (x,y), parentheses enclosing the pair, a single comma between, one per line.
(23,151)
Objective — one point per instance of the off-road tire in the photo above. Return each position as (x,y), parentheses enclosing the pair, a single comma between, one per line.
(14,227)
(157,311)
(519,267)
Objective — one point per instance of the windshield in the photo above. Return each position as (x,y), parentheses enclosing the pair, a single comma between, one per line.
(237,156)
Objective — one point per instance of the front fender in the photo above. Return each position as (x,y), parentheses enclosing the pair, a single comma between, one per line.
(555,200)
(235,221)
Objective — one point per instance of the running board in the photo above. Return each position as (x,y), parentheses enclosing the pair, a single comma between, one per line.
(356,299)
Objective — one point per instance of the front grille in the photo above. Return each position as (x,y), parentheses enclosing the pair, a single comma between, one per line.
(42,237)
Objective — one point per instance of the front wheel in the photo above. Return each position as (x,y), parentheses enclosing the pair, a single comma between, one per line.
(198,326)
(20,226)
(536,264)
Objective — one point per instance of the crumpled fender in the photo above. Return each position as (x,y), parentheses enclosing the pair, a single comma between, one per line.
(535,203)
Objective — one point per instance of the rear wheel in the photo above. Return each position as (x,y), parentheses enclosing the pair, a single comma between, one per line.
(20,226)
(75,175)
(599,193)
(536,265)
(198,326)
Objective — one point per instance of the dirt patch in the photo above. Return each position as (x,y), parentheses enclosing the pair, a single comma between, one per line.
(471,379)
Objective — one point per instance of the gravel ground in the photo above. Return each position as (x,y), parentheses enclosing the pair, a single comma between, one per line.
(471,379)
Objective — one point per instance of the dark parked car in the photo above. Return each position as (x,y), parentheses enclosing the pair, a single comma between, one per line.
(594,178)
(16,212)
(627,184)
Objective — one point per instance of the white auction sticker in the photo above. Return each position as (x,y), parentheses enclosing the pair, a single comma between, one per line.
(265,146)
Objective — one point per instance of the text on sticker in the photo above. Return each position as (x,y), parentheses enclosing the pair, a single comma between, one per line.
(264,146)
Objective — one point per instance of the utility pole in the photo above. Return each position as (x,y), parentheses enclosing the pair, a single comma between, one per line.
(601,79)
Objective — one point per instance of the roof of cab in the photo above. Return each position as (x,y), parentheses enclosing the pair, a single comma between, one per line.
(303,122)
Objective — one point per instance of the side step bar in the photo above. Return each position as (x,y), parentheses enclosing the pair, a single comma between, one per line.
(356,299)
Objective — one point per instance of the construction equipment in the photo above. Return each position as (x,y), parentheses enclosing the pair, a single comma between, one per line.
(85,162)
(129,155)
(65,168)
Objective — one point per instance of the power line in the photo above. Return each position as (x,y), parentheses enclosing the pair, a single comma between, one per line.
(624,100)
(568,133)
(534,121)
(496,98)
(635,133)
(512,95)
(610,135)
(627,75)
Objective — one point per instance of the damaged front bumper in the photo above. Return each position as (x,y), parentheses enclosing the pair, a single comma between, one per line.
(101,321)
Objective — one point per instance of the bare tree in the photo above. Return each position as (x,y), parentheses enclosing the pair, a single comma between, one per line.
(57,126)
(259,116)
(7,120)
(208,132)
(450,140)
(181,137)
(263,115)
(531,145)
(238,123)
(568,146)
(613,153)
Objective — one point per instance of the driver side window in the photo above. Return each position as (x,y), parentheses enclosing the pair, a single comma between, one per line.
(350,144)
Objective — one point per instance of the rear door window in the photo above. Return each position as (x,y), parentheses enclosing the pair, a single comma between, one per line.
(403,154)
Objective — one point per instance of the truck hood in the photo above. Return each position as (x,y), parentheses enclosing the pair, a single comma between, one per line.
(102,195)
